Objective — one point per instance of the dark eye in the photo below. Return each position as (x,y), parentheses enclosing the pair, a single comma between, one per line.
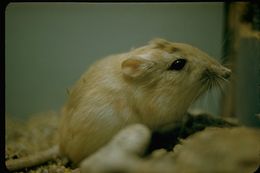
(178,64)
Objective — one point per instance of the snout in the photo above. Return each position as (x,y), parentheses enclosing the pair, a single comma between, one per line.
(221,71)
(225,73)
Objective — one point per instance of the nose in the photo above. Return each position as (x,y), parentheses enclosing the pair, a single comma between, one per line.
(226,73)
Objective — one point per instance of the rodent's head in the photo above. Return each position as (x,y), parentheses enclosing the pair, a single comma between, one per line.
(177,70)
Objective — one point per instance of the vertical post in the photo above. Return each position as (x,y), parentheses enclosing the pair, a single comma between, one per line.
(242,54)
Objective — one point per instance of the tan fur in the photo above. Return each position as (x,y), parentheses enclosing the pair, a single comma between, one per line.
(123,89)
(133,87)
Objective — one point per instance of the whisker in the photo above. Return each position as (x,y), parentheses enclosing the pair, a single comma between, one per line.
(223,82)
(219,85)
(207,98)
(222,78)
(215,96)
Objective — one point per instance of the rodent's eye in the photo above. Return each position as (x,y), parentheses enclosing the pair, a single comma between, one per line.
(178,64)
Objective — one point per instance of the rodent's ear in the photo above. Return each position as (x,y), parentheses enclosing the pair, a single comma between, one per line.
(135,67)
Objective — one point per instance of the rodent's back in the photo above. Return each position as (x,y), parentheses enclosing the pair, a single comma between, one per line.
(96,109)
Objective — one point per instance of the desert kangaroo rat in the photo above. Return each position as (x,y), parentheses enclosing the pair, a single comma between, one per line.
(153,85)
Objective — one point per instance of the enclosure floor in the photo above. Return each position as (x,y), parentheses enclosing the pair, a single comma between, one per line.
(37,133)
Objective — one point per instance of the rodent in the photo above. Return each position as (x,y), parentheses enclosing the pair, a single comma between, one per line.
(153,85)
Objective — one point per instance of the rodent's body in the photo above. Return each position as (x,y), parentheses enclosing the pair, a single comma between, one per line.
(153,85)
(135,87)
(97,109)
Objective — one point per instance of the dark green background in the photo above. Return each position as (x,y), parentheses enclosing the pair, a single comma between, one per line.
(49,45)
